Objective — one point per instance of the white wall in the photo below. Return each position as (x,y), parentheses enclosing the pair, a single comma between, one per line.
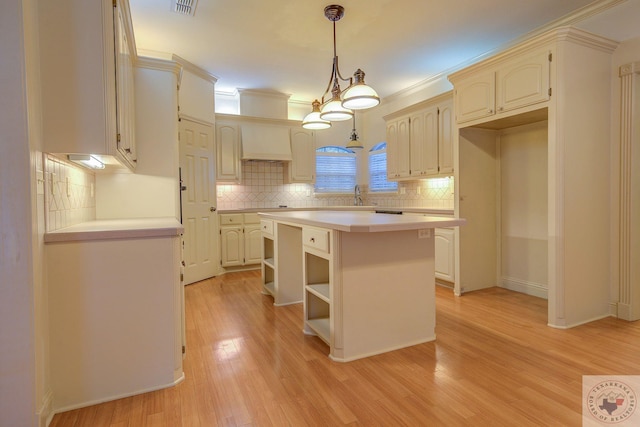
(22,372)
(523,208)
(152,191)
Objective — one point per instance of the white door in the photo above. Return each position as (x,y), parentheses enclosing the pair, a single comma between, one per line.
(198,201)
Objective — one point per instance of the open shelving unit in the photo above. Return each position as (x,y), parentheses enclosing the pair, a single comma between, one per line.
(268,265)
(317,295)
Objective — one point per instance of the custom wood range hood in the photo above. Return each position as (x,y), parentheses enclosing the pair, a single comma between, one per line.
(266,142)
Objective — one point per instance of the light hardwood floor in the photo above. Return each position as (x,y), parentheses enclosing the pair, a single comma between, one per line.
(494,362)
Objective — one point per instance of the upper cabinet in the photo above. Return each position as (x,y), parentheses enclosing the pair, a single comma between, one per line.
(302,169)
(228,152)
(398,148)
(513,84)
(87,58)
(419,140)
(196,88)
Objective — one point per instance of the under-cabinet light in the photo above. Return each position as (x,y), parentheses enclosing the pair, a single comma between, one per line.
(86,160)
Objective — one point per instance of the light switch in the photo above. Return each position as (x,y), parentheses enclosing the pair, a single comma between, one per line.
(39,182)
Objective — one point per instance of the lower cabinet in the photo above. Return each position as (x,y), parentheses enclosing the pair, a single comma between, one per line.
(115,317)
(445,254)
(240,239)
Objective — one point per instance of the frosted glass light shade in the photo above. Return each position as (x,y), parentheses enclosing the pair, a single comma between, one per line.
(313,120)
(335,112)
(359,97)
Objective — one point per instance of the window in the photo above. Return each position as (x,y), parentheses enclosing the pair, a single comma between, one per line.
(335,170)
(378,170)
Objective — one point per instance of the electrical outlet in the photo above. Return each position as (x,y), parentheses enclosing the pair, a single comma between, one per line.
(424,233)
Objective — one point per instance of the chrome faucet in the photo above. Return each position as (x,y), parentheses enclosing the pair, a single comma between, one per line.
(357,199)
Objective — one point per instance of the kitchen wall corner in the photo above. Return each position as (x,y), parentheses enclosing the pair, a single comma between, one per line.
(69,194)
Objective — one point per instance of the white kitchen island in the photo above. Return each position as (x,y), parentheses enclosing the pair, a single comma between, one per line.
(367,279)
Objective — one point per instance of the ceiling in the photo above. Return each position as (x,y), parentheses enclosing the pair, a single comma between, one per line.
(287,45)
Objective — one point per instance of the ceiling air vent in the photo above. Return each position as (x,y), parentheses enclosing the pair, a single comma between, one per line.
(185,7)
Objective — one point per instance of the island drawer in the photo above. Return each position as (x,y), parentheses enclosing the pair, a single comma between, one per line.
(316,238)
(266,225)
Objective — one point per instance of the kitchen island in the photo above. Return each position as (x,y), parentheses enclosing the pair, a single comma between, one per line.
(366,279)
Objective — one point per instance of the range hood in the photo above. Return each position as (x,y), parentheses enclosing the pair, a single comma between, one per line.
(265,142)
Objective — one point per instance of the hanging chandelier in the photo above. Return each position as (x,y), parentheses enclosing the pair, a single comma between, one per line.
(357,95)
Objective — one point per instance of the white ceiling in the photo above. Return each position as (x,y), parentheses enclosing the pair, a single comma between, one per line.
(287,45)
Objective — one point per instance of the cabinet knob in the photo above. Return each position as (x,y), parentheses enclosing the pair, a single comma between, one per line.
(212,209)
(313,239)
(500,108)
(490,111)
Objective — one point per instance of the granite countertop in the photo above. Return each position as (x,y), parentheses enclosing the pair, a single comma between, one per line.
(117,229)
(368,222)
(368,208)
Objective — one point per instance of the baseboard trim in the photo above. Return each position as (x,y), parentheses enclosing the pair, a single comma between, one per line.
(116,397)
(45,412)
(583,322)
(523,286)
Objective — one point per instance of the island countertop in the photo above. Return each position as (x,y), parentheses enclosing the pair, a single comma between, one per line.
(363,222)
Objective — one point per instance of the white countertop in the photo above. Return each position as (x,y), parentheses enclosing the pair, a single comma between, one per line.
(117,229)
(367,222)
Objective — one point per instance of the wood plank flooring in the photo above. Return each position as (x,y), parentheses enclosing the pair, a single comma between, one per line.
(495,362)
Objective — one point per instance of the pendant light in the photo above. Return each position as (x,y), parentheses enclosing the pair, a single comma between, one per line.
(313,120)
(359,96)
(353,143)
(356,96)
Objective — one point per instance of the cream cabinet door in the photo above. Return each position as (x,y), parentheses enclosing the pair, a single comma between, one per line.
(398,149)
(445,254)
(445,138)
(231,245)
(475,97)
(392,150)
(252,244)
(523,82)
(227,152)
(125,106)
(404,149)
(303,151)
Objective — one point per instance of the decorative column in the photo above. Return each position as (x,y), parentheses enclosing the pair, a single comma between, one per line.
(629,187)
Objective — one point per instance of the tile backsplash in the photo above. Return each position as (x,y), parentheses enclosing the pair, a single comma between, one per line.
(69,194)
(263,186)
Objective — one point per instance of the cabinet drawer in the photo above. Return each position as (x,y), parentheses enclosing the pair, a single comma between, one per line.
(266,225)
(231,219)
(316,238)
(251,218)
